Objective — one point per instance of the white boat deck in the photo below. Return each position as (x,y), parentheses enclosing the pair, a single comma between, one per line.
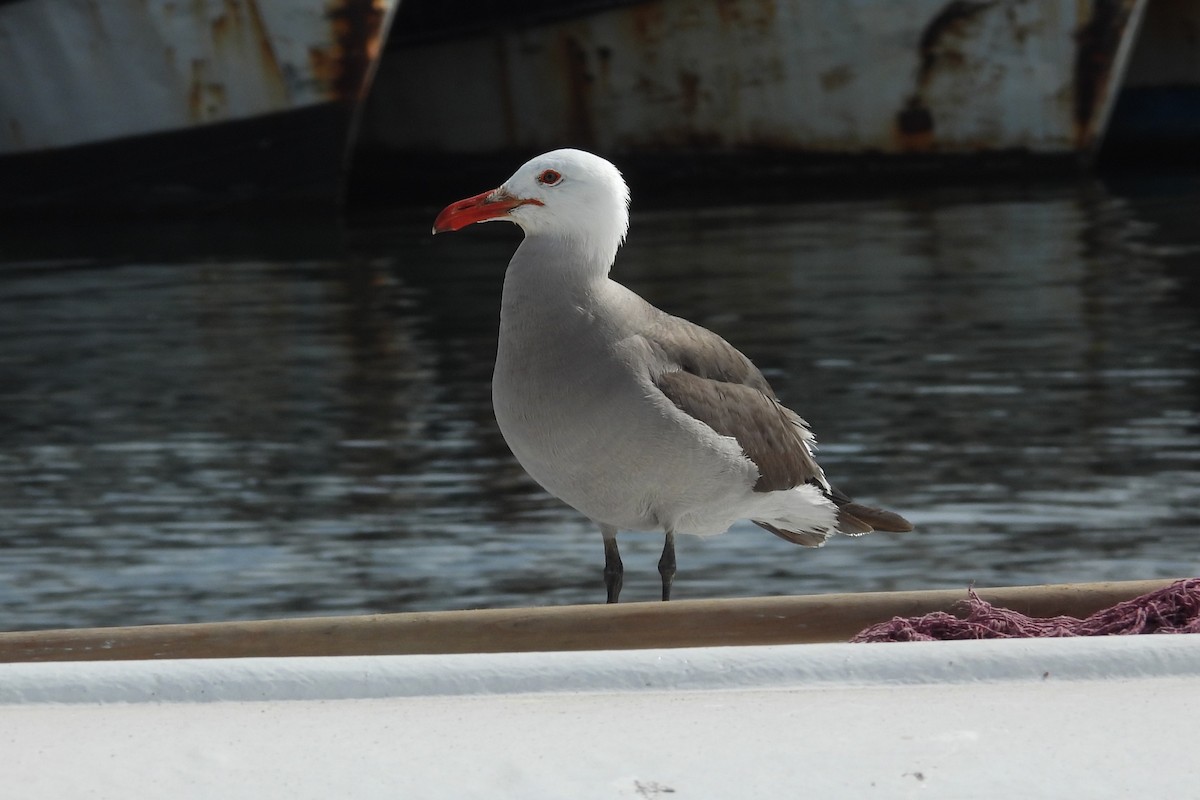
(1094,718)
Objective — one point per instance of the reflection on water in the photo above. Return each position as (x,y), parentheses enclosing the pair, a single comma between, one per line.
(294,427)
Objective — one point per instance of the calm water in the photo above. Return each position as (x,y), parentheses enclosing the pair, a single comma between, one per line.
(222,422)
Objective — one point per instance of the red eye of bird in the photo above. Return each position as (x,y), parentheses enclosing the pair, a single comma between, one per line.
(549,177)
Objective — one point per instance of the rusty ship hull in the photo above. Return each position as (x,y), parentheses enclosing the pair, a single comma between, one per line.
(149,105)
(917,79)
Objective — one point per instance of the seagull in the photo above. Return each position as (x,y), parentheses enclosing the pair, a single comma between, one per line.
(639,420)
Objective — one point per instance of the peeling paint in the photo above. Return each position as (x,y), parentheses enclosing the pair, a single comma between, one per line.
(125,69)
(947,35)
(944,46)
(918,76)
(355,25)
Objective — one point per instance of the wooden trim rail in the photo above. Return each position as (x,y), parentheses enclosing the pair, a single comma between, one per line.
(688,623)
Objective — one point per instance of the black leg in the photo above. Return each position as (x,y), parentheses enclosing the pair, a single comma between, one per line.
(614,570)
(666,565)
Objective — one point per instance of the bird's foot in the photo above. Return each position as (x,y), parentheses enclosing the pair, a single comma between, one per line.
(666,566)
(614,570)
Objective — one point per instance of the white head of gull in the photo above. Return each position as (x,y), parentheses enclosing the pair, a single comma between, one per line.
(638,419)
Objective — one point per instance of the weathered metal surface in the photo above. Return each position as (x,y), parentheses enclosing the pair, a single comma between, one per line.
(75,72)
(833,76)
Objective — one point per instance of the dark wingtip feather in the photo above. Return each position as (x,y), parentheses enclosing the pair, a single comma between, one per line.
(876,518)
(850,525)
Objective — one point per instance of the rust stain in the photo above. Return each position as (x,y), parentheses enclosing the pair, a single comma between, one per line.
(936,46)
(240,39)
(759,16)
(220,28)
(216,101)
(226,25)
(18,135)
(322,61)
(939,48)
(649,23)
(207,99)
(1096,46)
(355,26)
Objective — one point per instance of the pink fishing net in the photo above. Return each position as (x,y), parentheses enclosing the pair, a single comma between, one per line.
(1173,609)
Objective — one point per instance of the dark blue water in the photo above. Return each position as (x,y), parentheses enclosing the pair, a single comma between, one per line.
(229,421)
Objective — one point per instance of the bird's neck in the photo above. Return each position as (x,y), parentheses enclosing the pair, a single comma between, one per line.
(551,292)
(551,269)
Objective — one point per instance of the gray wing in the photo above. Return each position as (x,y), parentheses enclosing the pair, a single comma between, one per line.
(700,352)
(722,388)
(713,382)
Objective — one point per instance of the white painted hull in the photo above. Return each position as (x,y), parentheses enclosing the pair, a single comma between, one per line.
(121,100)
(1095,718)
